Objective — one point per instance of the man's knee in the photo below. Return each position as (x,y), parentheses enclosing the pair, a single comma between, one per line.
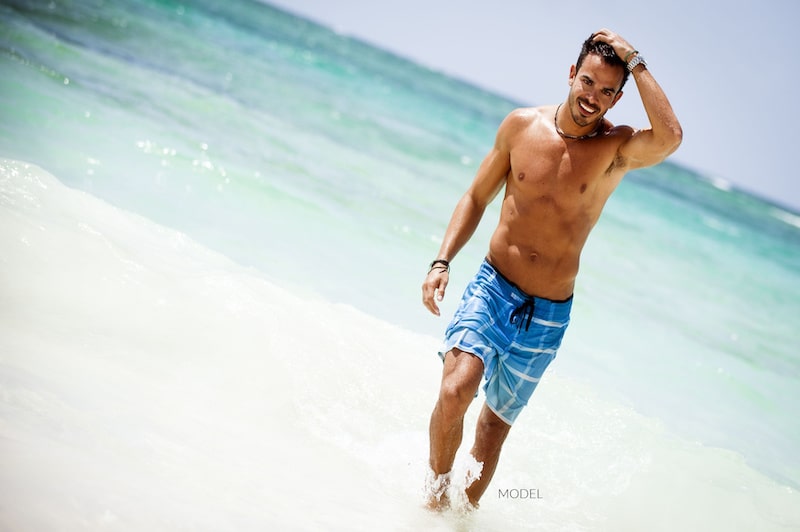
(456,393)
(462,374)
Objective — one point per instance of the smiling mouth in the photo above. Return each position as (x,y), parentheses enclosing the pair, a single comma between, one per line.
(586,109)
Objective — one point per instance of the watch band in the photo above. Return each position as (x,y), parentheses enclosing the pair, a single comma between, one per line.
(636,61)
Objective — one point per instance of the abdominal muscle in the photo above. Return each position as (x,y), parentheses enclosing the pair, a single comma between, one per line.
(540,253)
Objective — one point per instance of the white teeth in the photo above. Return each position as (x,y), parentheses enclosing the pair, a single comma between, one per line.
(586,108)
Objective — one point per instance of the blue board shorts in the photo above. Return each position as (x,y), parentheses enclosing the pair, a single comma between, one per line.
(514,334)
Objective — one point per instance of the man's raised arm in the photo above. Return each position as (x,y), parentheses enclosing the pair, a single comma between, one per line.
(646,147)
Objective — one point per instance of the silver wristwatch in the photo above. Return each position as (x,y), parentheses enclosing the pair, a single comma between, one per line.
(637,60)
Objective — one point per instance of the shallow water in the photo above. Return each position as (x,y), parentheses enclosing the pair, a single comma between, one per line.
(151,383)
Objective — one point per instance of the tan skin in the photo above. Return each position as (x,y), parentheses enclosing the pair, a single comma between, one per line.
(555,190)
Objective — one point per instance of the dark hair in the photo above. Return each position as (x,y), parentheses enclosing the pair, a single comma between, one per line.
(606,51)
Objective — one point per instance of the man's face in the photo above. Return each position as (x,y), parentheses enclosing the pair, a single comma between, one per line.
(594,89)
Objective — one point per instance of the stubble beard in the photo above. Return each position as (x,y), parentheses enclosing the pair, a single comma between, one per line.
(578,118)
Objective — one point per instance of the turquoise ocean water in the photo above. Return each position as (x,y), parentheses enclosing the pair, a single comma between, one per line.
(329,169)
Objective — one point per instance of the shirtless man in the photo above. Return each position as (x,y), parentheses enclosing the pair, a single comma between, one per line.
(559,164)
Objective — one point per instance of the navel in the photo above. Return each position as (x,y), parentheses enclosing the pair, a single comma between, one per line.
(533,256)
(583,188)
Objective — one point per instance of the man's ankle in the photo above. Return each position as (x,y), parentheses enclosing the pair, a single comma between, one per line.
(436,486)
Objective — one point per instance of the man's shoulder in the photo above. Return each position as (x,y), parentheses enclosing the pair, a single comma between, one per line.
(529,114)
(523,117)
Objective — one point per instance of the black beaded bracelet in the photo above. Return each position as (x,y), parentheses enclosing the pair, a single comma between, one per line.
(444,263)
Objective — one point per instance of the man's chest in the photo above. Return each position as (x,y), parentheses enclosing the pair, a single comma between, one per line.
(565,172)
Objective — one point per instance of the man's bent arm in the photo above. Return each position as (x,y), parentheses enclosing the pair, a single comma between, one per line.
(649,146)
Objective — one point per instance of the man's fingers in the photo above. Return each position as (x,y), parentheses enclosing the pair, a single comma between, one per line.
(439,292)
(428,297)
(430,303)
(432,292)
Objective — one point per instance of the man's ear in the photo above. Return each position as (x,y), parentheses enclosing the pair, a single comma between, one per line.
(572,72)
(616,99)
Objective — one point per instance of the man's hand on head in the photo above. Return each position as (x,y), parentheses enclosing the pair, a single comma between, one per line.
(621,47)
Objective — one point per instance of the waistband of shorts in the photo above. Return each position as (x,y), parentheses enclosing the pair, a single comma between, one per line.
(522,293)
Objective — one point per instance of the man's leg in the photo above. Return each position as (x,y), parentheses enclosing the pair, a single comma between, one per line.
(490,433)
(460,379)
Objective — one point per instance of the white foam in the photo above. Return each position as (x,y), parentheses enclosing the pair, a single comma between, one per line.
(789,218)
(720,183)
(147,383)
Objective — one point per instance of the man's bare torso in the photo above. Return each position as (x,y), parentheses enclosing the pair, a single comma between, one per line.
(555,191)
